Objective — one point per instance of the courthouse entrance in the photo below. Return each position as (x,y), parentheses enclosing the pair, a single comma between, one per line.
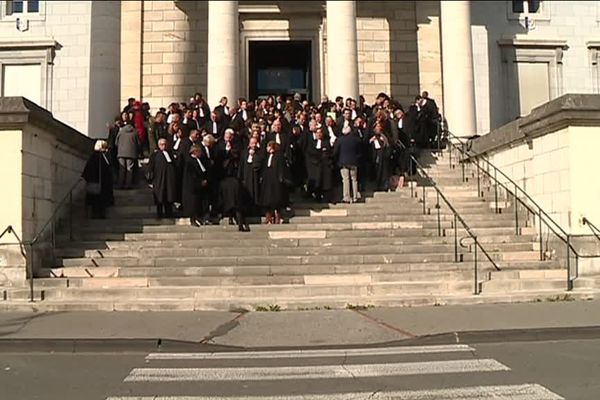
(279,68)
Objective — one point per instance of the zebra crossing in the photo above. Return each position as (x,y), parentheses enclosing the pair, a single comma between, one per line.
(442,372)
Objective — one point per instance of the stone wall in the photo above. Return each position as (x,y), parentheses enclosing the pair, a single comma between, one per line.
(42,159)
(174,50)
(576,23)
(67,22)
(388,60)
(552,155)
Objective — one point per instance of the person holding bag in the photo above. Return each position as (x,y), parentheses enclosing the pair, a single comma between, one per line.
(99,181)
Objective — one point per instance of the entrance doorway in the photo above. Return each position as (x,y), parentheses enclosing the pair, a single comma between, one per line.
(279,68)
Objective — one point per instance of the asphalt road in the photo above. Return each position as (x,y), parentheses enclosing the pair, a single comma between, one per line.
(549,370)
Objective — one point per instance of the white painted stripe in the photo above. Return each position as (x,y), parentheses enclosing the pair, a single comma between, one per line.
(380,351)
(502,392)
(312,372)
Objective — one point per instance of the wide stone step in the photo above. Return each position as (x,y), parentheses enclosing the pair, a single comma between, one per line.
(282,291)
(274,270)
(226,260)
(298,303)
(245,280)
(78,247)
(323,248)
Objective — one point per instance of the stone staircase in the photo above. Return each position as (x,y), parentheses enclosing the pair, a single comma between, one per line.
(384,252)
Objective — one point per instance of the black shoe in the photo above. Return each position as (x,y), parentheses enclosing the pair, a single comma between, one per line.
(244,228)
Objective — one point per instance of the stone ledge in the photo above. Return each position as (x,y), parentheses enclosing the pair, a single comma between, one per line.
(567,110)
(16,112)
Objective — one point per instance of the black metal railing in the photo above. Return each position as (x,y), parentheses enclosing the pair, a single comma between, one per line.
(457,218)
(47,232)
(593,228)
(520,197)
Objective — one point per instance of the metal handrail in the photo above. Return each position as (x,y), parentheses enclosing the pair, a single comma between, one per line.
(531,205)
(51,222)
(592,227)
(457,218)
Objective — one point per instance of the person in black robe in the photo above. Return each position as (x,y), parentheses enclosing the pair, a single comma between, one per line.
(274,188)
(380,158)
(297,152)
(231,200)
(281,137)
(214,125)
(195,193)
(208,154)
(162,174)
(249,172)
(320,167)
(99,180)
(402,143)
(112,151)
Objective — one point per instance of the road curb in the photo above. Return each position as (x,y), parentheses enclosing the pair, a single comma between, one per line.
(147,345)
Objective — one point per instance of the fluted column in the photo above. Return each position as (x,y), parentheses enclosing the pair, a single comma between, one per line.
(457,67)
(342,57)
(223,51)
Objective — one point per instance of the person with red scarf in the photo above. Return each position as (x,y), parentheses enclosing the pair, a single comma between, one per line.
(138,123)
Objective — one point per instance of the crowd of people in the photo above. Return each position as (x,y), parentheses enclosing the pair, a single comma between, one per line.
(245,159)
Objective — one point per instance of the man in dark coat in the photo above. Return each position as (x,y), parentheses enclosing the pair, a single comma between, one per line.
(348,151)
(163,176)
(98,176)
(195,193)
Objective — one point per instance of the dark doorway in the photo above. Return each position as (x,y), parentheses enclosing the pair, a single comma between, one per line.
(280,68)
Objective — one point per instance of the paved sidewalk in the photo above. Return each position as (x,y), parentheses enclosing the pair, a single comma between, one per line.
(300,328)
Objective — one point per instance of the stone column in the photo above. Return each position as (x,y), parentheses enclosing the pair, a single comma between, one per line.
(457,67)
(342,57)
(223,52)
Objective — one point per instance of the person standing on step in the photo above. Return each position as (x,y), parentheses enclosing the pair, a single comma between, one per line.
(348,153)
(320,171)
(208,155)
(128,150)
(231,200)
(249,172)
(380,158)
(162,174)
(195,193)
(273,188)
(99,180)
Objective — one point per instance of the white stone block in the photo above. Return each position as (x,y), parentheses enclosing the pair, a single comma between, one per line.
(297,235)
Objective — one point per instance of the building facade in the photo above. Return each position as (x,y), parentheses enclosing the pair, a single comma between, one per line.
(485,62)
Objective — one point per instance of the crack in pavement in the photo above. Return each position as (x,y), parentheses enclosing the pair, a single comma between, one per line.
(223,329)
(384,324)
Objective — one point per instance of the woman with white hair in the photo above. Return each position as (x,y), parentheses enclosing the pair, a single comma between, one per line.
(99,180)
